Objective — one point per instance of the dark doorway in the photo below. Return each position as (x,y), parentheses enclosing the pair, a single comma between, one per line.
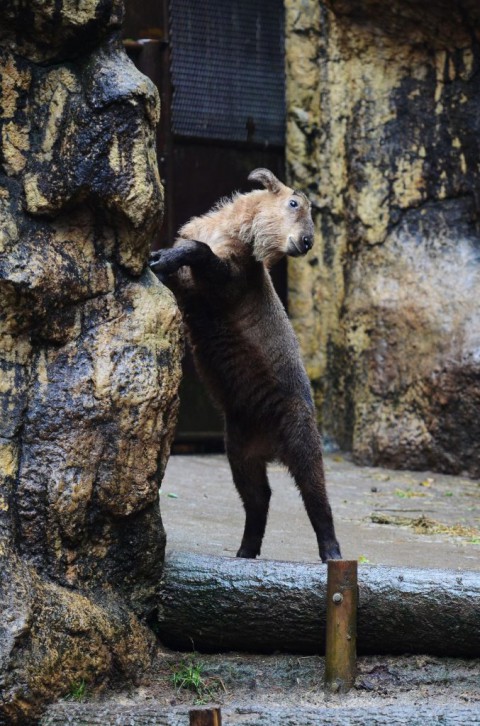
(219,67)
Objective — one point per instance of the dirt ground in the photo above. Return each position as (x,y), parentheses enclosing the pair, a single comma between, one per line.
(283,690)
(383,517)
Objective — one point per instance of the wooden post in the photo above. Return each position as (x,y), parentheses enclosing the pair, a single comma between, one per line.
(205,717)
(341,635)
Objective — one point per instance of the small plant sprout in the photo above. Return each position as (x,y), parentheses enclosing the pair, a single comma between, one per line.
(189,677)
(78,690)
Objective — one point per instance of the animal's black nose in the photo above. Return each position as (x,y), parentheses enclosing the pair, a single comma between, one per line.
(307,242)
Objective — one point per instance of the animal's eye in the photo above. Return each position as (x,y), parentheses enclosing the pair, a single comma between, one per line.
(293,203)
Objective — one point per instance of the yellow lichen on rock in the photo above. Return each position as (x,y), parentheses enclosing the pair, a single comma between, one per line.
(36,201)
(371,205)
(114,155)
(380,104)
(90,352)
(54,92)
(15,143)
(79,12)
(8,228)
(14,82)
(8,465)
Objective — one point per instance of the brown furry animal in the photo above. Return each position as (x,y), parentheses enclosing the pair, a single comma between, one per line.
(245,348)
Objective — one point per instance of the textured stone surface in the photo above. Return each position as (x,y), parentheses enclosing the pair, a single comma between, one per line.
(90,349)
(383,129)
(54,30)
(52,640)
(95,440)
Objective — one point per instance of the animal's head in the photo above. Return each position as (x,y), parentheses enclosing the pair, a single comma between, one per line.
(283,225)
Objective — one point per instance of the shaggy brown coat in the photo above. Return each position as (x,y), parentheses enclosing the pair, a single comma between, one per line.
(245,348)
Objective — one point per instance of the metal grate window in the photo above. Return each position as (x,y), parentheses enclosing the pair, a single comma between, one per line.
(228,69)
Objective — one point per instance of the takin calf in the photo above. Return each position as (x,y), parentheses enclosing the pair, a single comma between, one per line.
(245,348)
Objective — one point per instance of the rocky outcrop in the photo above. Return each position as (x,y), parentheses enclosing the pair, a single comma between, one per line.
(383,133)
(90,349)
(54,640)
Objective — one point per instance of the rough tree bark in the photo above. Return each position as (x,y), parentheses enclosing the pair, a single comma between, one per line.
(217,603)
(90,349)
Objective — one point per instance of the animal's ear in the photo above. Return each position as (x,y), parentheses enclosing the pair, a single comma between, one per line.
(265,177)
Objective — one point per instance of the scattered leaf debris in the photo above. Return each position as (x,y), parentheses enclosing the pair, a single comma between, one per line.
(425,525)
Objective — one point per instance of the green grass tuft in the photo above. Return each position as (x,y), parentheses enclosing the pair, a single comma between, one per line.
(189,676)
(78,690)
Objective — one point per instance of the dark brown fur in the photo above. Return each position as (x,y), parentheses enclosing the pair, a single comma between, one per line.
(245,348)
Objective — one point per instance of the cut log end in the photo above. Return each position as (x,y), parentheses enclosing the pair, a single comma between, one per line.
(205,717)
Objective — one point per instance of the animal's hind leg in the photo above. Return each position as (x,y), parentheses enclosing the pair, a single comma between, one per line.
(302,453)
(250,478)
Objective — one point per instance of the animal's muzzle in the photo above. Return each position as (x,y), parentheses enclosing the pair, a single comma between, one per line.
(307,243)
(299,246)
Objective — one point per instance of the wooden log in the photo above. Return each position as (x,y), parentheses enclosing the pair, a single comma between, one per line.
(341,633)
(213,603)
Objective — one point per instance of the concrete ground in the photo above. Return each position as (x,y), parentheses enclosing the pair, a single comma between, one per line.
(428,520)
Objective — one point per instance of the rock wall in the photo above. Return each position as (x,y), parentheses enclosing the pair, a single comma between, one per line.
(90,349)
(383,133)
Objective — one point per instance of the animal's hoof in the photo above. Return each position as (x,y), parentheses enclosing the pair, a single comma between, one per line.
(246,553)
(154,262)
(331,552)
(155,258)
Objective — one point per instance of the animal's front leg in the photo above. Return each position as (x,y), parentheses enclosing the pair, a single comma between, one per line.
(169,261)
(191,253)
